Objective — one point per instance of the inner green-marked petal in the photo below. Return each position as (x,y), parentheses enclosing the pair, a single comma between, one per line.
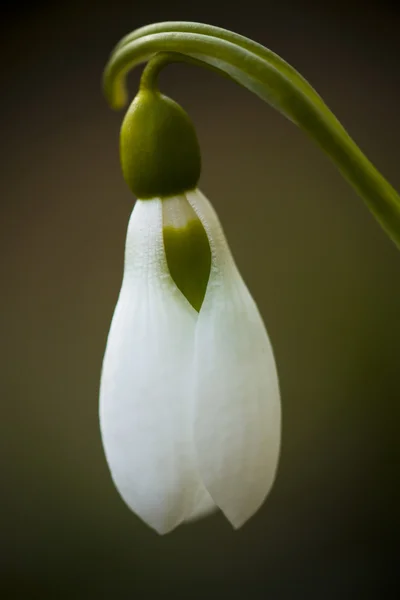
(187,249)
(189,260)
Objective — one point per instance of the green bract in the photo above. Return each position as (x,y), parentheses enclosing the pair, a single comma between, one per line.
(160,154)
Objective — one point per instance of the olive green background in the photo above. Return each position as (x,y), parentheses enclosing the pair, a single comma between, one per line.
(325,276)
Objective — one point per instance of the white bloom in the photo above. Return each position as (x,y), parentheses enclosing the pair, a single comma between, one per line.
(189,401)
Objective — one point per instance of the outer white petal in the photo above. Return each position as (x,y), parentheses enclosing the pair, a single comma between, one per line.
(237,412)
(147,369)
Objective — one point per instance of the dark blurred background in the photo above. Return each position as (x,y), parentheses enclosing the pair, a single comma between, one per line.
(326,278)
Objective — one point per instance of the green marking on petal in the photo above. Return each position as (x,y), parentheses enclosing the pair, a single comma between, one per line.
(189,259)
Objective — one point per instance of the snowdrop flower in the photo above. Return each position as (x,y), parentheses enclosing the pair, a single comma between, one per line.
(189,400)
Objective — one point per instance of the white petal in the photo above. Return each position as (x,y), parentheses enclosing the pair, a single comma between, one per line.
(237,412)
(144,400)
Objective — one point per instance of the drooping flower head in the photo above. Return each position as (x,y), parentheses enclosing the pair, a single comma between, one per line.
(189,401)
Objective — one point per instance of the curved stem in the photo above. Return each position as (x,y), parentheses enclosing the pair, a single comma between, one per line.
(229,36)
(149,78)
(269,77)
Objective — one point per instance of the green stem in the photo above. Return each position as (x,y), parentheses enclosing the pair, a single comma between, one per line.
(269,77)
(149,78)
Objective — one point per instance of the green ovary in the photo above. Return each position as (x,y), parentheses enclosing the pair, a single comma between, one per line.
(189,260)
